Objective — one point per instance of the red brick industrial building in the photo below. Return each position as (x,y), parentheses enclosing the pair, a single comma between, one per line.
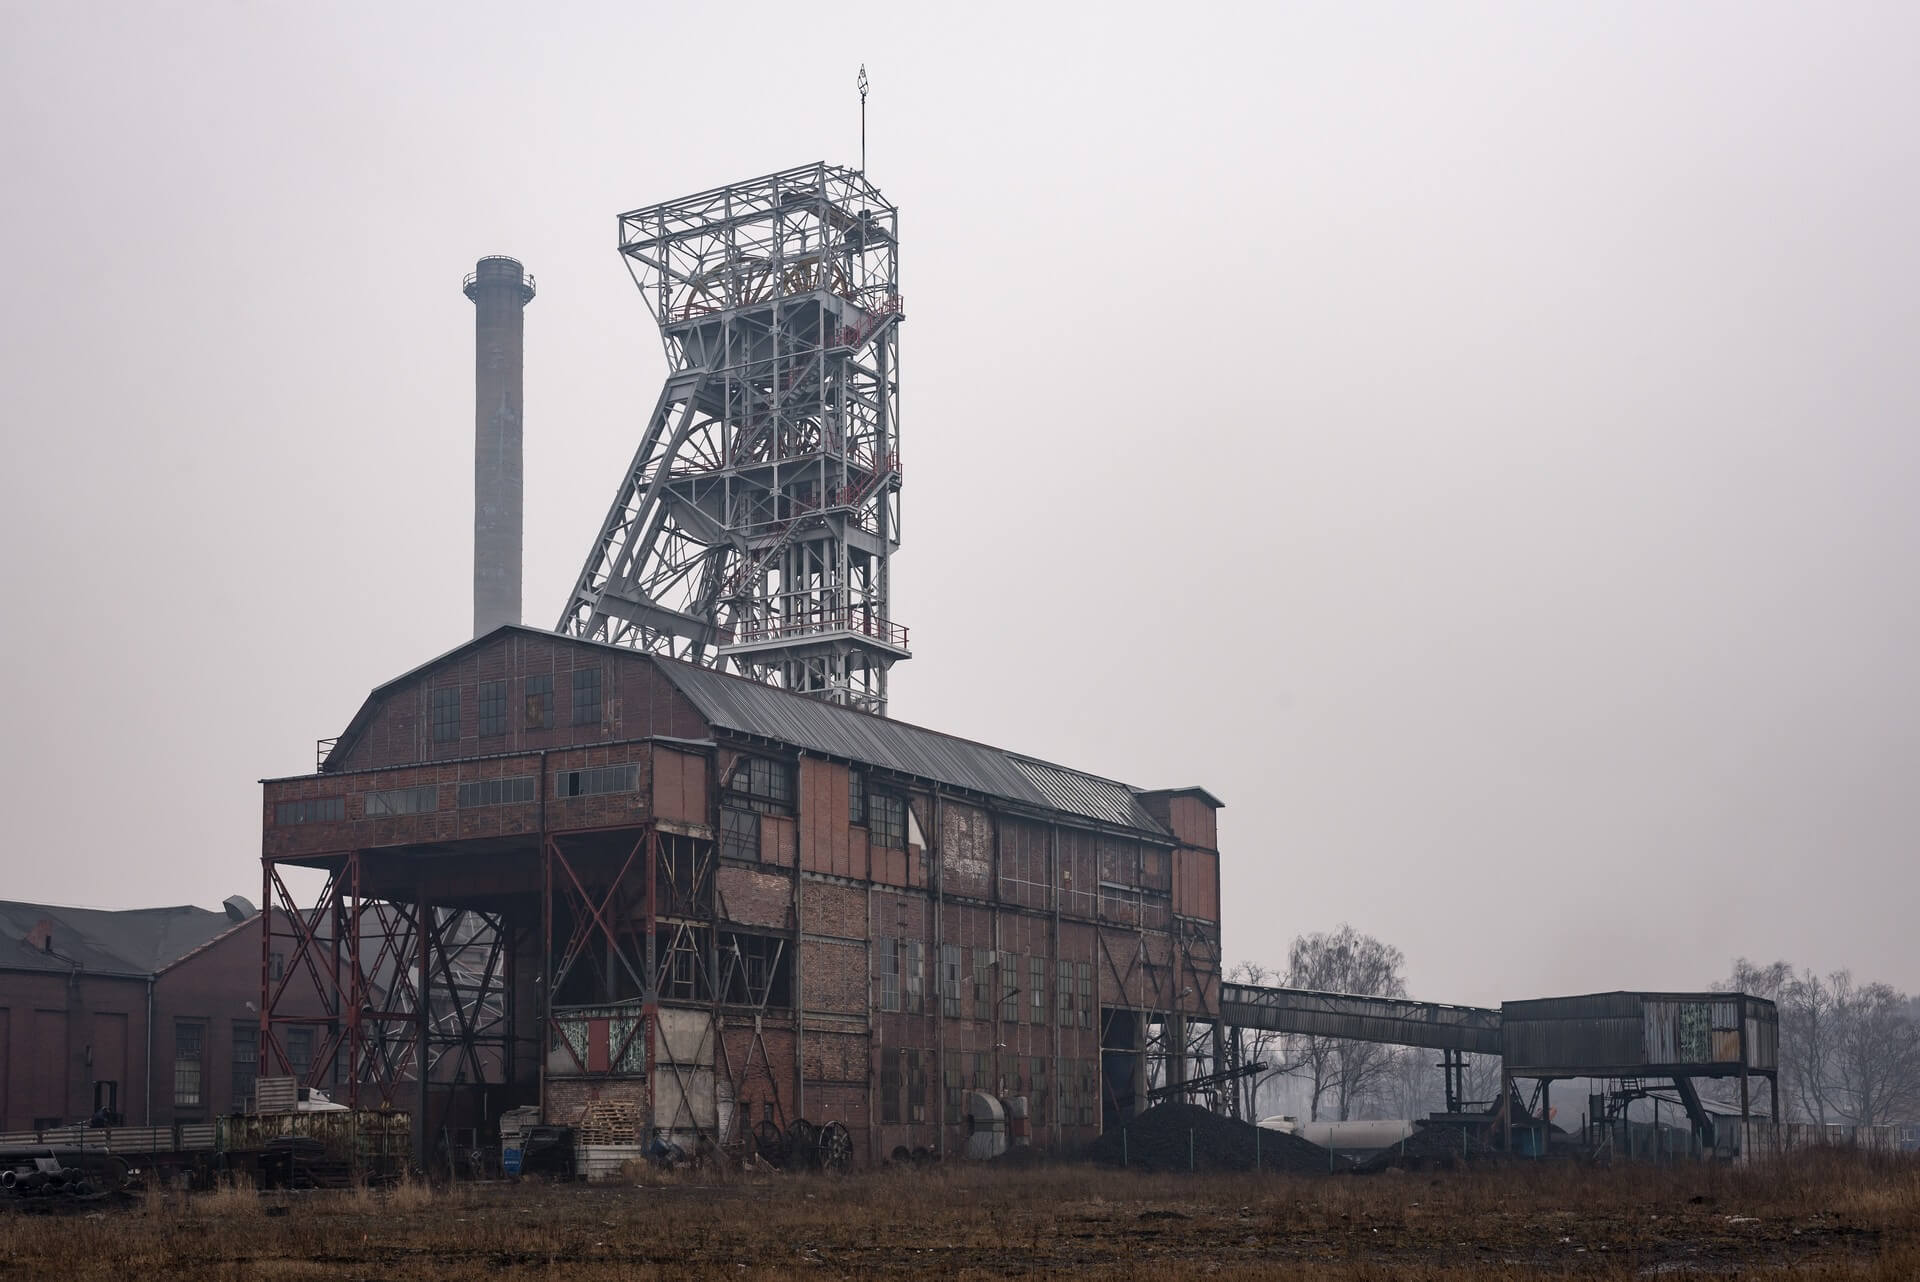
(160,1003)
(641,893)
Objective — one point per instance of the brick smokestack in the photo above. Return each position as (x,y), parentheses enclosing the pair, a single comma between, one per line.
(500,289)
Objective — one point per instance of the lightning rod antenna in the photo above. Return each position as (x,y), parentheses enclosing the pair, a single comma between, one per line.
(863,117)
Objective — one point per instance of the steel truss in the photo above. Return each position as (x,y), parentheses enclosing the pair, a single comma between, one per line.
(401,998)
(755,528)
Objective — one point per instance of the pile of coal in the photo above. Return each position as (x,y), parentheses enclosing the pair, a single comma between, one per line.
(1178,1136)
(1432,1147)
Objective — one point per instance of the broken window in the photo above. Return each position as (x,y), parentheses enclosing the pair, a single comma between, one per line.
(887,820)
(757,970)
(540,702)
(856,796)
(916,1086)
(915,977)
(596,781)
(983,985)
(1065,1004)
(739,833)
(1009,988)
(1085,1008)
(954,1080)
(890,1085)
(1037,989)
(402,801)
(758,783)
(950,955)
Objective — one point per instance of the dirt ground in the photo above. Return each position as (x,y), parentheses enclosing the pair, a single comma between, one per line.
(1837,1216)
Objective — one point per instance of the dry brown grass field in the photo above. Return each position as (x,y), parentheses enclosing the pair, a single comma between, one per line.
(1833,1217)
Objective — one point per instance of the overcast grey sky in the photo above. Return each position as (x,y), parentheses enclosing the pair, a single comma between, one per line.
(1476,441)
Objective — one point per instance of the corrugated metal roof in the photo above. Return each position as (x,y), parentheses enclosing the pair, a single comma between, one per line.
(1084,794)
(748,707)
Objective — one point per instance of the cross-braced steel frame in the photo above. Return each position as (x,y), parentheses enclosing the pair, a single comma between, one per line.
(755,528)
(401,996)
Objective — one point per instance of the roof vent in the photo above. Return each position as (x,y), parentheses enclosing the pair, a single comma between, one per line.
(238,908)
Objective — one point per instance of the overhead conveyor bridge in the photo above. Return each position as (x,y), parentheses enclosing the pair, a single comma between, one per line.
(1394,1020)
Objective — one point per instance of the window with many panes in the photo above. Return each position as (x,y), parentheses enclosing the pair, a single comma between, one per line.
(401,801)
(495,792)
(1065,1004)
(491,706)
(596,781)
(1009,988)
(763,785)
(983,983)
(318,810)
(950,964)
(246,1062)
(446,715)
(886,969)
(1084,1008)
(539,701)
(1037,1089)
(189,1063)
(914,976)
(981,1079)
(887,820)
(586,696)
(916,1086)
(856,796)
(953,1077)
(890,1085)
(1037,989)
(739,833)
(1089,1090)
(300,1053)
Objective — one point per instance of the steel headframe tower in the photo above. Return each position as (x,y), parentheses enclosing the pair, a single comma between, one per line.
(755,528)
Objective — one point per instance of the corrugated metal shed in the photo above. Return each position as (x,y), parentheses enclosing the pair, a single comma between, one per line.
(1627,1032)
(748,707)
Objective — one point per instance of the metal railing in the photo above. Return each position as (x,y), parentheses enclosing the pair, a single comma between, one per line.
(759,631)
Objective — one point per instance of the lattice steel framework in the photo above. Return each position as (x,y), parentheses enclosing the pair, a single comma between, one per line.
(756,526)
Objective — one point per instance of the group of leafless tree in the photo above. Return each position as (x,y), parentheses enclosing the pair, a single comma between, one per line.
(1849,1051)
(1347,1079)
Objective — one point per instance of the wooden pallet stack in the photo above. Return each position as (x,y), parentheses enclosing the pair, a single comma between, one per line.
(610,1122)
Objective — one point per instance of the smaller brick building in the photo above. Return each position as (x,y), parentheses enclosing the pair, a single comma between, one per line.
(161,1002)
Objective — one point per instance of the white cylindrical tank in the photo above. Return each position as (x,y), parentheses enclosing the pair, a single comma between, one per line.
(1355,1137)
(1285,1122)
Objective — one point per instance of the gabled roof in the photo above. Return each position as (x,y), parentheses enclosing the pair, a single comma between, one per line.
(749,707)
(135,942)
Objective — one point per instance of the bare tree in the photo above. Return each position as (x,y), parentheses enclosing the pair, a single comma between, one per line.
(1343,961)
(1875,1053)
(1258,1045)
(1849,1052)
